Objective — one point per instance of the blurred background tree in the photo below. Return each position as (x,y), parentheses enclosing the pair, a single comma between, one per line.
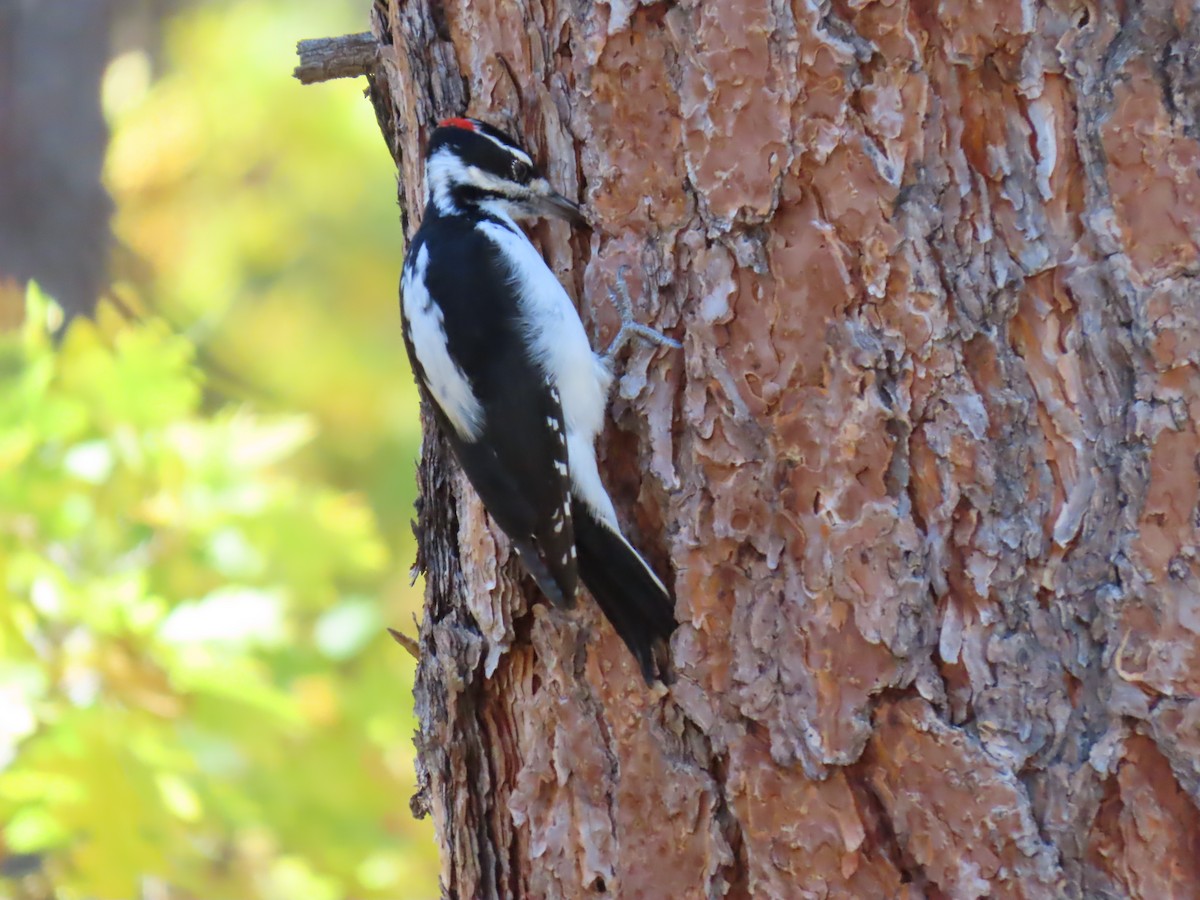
(206,488)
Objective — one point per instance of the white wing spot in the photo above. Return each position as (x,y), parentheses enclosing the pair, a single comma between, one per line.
(444,378)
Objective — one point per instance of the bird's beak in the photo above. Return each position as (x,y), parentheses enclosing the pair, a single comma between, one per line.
(558,205)
(551,203)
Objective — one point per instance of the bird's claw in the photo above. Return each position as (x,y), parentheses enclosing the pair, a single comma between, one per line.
(630,328)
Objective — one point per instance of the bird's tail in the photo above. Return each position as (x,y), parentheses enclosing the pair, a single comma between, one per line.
(629,594)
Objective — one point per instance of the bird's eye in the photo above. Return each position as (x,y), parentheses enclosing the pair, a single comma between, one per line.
(521,171)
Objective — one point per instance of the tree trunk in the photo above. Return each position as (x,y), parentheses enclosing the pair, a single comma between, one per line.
(924,477)
(54,209)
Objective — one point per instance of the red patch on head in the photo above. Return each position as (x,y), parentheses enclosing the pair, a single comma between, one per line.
(465,124)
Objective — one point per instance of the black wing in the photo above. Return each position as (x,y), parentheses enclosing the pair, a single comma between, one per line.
(518,462)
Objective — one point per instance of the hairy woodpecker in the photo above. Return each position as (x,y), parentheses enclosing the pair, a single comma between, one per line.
(516,388)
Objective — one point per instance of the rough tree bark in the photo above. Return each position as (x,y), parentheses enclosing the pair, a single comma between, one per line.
(924,477)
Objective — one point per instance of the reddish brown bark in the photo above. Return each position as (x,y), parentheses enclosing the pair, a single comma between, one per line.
(924,476)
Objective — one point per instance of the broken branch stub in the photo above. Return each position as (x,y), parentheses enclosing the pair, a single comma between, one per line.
(348,56)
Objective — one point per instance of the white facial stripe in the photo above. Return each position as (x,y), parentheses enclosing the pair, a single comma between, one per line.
(445,169)
(508,148)
(445,380)
(486,181)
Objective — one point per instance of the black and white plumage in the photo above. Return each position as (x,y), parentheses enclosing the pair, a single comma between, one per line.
(516,388)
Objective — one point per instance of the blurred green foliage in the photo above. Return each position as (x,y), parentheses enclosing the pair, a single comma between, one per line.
(205,498)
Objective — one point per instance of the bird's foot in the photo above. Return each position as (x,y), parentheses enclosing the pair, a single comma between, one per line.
(630,328)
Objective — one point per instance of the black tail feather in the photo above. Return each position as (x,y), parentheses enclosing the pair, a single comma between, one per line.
(630,596)
(537,568)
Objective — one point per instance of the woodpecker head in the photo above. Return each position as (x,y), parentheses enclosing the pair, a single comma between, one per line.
(471,164)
